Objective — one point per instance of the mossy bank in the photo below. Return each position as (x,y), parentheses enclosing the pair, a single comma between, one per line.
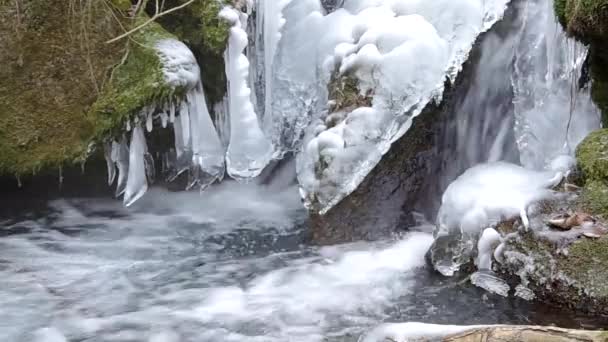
(63,88)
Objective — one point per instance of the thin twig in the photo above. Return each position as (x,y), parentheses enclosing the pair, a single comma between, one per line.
(156,16)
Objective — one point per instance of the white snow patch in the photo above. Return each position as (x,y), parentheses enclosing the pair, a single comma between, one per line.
(481,197)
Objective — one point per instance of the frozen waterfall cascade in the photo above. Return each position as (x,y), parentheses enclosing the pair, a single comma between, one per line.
(552,114)
(369,40)
(197,146)
(249,151)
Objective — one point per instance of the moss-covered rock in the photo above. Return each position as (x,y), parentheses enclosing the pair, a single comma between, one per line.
(54,63)
(587,20)
(592,155)
(136,82)
(564,268)
(592,158)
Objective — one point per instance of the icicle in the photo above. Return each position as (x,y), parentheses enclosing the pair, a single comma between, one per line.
(150,168)
(18,181)
(184,117)
(120,156)
(108,152)
(136,181)
(208,152)
(164,118)
(222,122)
(60,176)
(249,151)
(149,122)
(128,125)
(182,156)
(171,112)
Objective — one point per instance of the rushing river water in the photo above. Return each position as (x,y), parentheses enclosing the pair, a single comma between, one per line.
(233,265)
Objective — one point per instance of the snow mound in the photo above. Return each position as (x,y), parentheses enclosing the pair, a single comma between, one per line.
(481,197)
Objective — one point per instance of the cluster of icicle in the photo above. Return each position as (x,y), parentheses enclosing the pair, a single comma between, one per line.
(199,147)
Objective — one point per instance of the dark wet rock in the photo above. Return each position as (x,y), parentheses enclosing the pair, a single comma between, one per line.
(331,5)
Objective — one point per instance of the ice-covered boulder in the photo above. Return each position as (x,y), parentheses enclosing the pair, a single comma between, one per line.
(481,197)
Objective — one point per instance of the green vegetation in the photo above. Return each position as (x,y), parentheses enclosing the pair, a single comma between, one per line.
(54,65)
(129,89)
(592,158)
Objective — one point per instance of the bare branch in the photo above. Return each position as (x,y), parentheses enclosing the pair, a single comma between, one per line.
(147,22)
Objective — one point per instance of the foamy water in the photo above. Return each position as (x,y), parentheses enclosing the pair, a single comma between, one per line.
(227,266)
(232,265)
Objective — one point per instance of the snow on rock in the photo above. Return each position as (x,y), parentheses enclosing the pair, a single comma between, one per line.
(401,51)
(479,198)
(248,151)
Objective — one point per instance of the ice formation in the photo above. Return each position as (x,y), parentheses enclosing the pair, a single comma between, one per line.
(481,197)
(137,184)
(248,151)
(552,114)
(401,51)
(197,145)
(486,245)
(488,281)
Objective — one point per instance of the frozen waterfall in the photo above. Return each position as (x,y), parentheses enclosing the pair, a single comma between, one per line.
(552,115)
(248,151)
(399,53)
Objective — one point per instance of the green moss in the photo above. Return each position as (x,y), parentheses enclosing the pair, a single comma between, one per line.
(54,63)
(344,90)
(594,198)
(135,83)
(592,155)
(586,264)
(586,19)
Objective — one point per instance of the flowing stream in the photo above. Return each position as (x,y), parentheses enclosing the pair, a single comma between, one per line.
(234,265)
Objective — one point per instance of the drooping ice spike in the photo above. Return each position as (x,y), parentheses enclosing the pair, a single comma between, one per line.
(108,151)
(248,151)
(137,184)
(208,153)
(120,156)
